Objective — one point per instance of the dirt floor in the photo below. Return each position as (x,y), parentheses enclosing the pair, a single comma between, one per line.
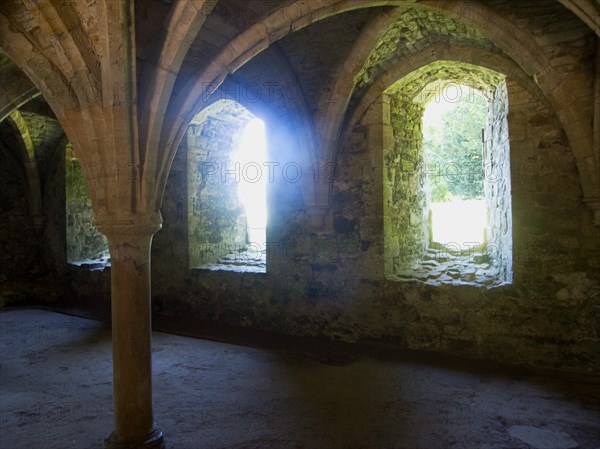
(55,392)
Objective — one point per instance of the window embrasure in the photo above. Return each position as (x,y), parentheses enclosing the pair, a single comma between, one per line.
(447,177)
(86,246)
(226,149)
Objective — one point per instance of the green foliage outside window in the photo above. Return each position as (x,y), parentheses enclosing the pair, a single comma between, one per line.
(454,151)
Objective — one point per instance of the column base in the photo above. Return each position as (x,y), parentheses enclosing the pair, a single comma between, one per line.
(154,440)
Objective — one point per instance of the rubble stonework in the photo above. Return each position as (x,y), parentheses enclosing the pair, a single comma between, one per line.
(122,82)
(327,247)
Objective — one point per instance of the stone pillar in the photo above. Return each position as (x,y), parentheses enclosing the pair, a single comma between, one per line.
(129,242)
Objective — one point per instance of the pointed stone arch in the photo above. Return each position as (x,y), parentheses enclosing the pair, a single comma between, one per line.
(92,87)
(586,11)
(518,45)
(28,159)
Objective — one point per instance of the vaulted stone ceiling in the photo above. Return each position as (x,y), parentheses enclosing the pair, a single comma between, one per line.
(125,79)
(316,53)
(340,51)
(412,31)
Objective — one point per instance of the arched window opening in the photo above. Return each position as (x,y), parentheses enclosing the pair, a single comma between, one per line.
(226,147)
(447,187)
(453,140)
(86,246)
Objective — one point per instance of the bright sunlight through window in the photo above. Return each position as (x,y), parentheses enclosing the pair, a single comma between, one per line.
(452,128)
(251,156)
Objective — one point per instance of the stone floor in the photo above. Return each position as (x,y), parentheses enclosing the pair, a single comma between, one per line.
(55,392)
(99,262)
(245,262)
(438,268)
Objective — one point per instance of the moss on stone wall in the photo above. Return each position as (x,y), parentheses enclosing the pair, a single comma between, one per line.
(405,198)
(84,241)
(414,29)
(329,280)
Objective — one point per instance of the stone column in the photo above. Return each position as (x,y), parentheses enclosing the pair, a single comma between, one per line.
(129,242)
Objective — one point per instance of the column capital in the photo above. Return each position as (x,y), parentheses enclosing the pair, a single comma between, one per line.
(132,226)
(130,238)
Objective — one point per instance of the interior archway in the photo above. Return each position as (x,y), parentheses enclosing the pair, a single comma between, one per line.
(226,147)
(411,250)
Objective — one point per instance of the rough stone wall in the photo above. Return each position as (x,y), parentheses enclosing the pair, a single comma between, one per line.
(45,133)
(170,248)
(329,281)
(55,224)
(549,315)
(31,235)
(405,197)
(408,220)
(362,161)
(568,43)
(84,241)
(552,233)
(497,185)
(19,232)
(413,30)
(217,220)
